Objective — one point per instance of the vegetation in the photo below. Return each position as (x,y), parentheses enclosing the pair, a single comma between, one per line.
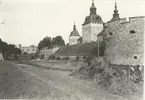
(57,58)
(52,57)
(49,43)
(58,40)
(77,58)
(7,49)
(76,50)
(113,78)
(67,58)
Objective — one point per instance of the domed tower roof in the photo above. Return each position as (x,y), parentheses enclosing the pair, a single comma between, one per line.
(74,32)
(115,15)
(93,17)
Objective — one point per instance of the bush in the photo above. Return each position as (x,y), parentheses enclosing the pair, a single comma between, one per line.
(77,57)
(57,58)
(67,58)
(84,57)
(111,78)
(52,57)
(42,56)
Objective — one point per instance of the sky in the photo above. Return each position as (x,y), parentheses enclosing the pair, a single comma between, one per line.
(27,22)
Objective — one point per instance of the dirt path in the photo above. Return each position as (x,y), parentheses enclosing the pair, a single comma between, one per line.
(70,87)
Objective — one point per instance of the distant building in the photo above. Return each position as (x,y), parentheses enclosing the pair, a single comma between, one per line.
(74,36)
(123,40)
(29,50)
(92,26)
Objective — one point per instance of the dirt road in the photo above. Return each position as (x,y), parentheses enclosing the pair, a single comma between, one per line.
(29,82)
(65,87)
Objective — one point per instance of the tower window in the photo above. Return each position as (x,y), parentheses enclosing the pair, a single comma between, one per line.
(110,33)
(135,57)
(132,31)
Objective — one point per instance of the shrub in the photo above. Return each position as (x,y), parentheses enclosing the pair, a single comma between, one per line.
(42,56)
(52,57)
(77,57)
(67,58)
(57,58)
(111,78)
(84,57)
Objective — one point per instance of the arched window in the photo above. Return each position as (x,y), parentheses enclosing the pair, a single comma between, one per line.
(132,31)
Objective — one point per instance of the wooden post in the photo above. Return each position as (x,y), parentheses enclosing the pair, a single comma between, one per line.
(98,48)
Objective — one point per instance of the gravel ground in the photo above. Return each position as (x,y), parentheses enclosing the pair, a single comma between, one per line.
(28,82)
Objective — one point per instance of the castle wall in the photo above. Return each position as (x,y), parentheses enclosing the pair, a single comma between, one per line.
(47,52)
(90,32)
(124,47)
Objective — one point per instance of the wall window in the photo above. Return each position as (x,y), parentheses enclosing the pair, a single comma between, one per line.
(132,32)
(135,57)
(110,33)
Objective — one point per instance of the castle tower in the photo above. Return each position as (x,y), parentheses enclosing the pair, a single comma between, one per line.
(115,15)
(92,25)
(74,36)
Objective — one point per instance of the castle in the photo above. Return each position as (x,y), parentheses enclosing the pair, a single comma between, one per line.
(123,41)
(91,27)
(120,42)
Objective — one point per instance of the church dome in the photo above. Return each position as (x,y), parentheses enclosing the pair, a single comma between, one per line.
(74,32)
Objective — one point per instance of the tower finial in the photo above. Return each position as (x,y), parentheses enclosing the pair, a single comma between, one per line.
(115,10)
(93,2)
(115,15)
(74,25)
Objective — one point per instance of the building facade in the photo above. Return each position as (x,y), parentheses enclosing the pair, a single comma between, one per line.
(92,26)
(74,36)
(123,40)
(29,50)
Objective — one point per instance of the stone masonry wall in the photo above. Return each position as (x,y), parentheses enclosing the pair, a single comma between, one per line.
(125,41)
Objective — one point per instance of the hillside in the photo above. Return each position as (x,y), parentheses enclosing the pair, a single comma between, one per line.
(84,49)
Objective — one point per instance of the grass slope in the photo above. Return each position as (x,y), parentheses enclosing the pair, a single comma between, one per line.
(15,84)
(84,49)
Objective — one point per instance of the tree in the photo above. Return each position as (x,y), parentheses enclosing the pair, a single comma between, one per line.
(80,40)
(8,49)
(46,42)
(58,40)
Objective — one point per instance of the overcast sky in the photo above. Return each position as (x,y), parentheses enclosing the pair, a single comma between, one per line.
(29,21)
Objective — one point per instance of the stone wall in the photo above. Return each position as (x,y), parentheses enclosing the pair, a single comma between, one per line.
(124,41)
(47,52)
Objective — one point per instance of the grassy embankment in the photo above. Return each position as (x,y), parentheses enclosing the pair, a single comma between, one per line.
(15,84)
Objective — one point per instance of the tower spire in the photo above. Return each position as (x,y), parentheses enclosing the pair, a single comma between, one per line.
(115,10)
(92,2)
(115,15)
(74,26)
(93,8)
